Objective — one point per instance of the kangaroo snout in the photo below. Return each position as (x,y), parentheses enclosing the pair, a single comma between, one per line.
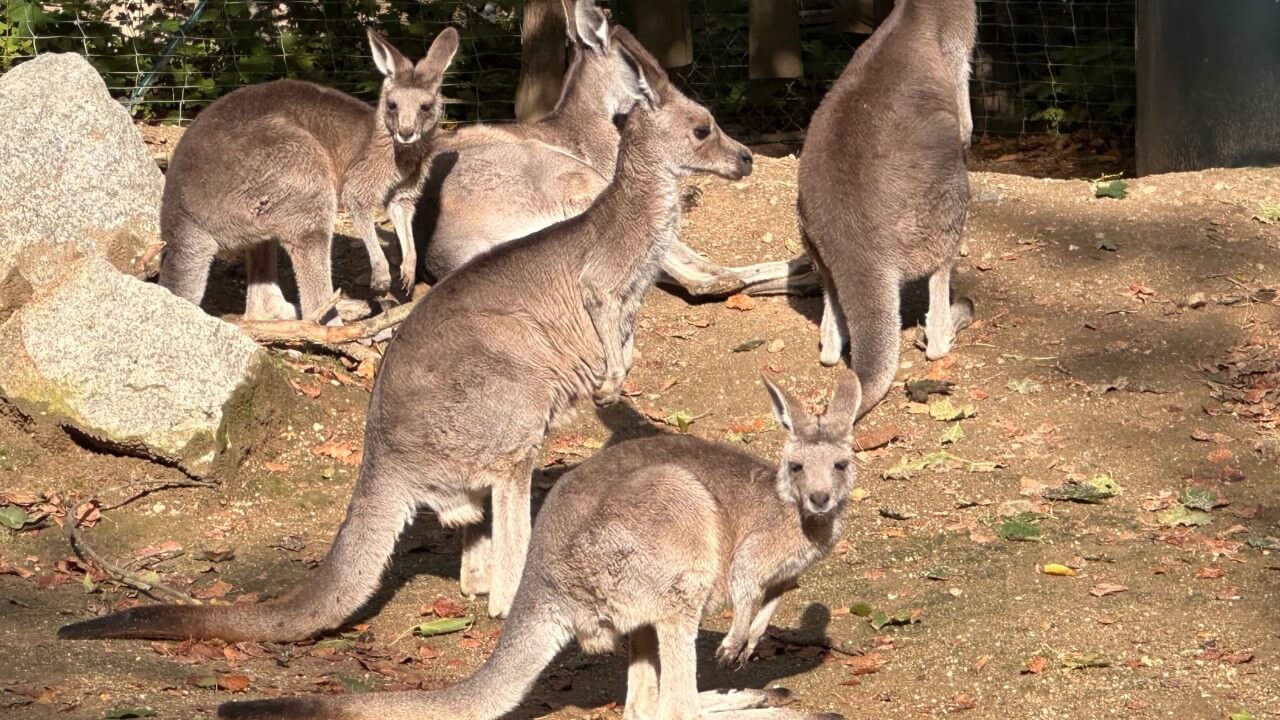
(407,137)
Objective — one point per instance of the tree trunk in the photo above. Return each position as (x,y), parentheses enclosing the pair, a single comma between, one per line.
(542,58)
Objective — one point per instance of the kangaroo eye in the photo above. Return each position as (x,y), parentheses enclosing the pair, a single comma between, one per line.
(795,467)
(842,466)
(702,133)
(391,105)
(425,107)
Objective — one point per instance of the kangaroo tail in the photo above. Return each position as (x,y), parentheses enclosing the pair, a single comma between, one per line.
(871,313)
(530,640)
(348,577)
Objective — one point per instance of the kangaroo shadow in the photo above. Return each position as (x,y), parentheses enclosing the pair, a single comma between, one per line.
(577,680)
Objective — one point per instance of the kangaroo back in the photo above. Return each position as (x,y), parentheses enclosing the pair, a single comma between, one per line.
(883,188)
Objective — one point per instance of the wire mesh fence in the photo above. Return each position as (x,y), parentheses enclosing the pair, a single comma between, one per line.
(1040,65)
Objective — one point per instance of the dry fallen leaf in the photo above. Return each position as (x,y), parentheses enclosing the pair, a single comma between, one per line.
(1210,573)
(1103,589)
(740,302)
(1221,455)
(233,683)
(961,702)
(865,664)
(275,466)
(1035,665)
(448,608)
(218,589)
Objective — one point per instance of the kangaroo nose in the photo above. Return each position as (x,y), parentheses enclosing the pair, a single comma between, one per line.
(745,158)
(819,499)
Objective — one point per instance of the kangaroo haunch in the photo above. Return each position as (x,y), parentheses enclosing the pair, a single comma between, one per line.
(546,171)
(883,189)
(476,375)
(268,165)
(641,541)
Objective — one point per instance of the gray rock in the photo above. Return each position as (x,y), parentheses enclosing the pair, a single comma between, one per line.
(75,170)
(128,366)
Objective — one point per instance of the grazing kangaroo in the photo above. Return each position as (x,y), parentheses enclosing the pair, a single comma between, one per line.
(883,189)
(482,367)
(543,172)
(269,164)
(642,541)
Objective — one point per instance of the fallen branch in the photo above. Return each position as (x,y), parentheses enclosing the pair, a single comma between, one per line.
(276,331)
(115,572)
(150,486)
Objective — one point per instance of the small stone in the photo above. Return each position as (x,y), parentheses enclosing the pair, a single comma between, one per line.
(1195,300)
(766,238)
(776,346)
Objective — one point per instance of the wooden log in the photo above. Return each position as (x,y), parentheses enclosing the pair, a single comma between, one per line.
(774,39)
(861,16)
(665,29)
(542,58)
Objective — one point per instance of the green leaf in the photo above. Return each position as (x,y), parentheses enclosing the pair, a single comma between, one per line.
(1240,715)
(88,584)
(944,410)
(938,573)
(355,685)
(1092,491)
(138,712)
(751,344)
(1021,528)
(1106,245)
(861,609)
(443,626)
(13,517)
(953,434)
(1263,543)
(1199,499)
(1026,386)
(682,419)
(904,469)
(880,619)
(1180,515)
(1085,661)
(1116,188)
(207,682)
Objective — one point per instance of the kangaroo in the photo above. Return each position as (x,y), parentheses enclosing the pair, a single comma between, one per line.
(642,541)
(883,189)
(546,171)
(482,367)
(269,164)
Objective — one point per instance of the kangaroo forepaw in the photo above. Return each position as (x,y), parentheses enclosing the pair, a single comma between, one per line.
(407,279)
(607,394)
(380,283)
(733,654)
(829,355)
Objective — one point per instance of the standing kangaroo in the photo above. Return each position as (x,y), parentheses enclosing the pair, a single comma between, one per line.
(270,164)
(883,189)
(543,172)
(642,541)
(477,374)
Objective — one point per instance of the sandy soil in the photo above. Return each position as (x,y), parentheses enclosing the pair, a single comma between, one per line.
(1101,326)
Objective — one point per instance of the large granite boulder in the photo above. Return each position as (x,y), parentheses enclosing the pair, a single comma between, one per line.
(127,366)
(75,171)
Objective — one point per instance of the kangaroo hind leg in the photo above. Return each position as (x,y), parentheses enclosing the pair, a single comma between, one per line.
(944,318)
(872,313)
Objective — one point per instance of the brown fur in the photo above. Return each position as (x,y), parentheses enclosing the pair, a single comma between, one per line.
(883,189)
(270,164)
(640,542)
(492,356)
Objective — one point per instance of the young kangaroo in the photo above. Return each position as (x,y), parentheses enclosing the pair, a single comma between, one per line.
(543,172)
(642,541)
(883,186)
(476,375)
(271,163)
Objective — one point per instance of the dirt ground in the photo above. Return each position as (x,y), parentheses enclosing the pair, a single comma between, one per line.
(1129,345)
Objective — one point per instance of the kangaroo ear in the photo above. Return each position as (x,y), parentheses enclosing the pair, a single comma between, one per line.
(648,79)
(441,53)
(388,59)
(586,24)
(842,411)
(786,408)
